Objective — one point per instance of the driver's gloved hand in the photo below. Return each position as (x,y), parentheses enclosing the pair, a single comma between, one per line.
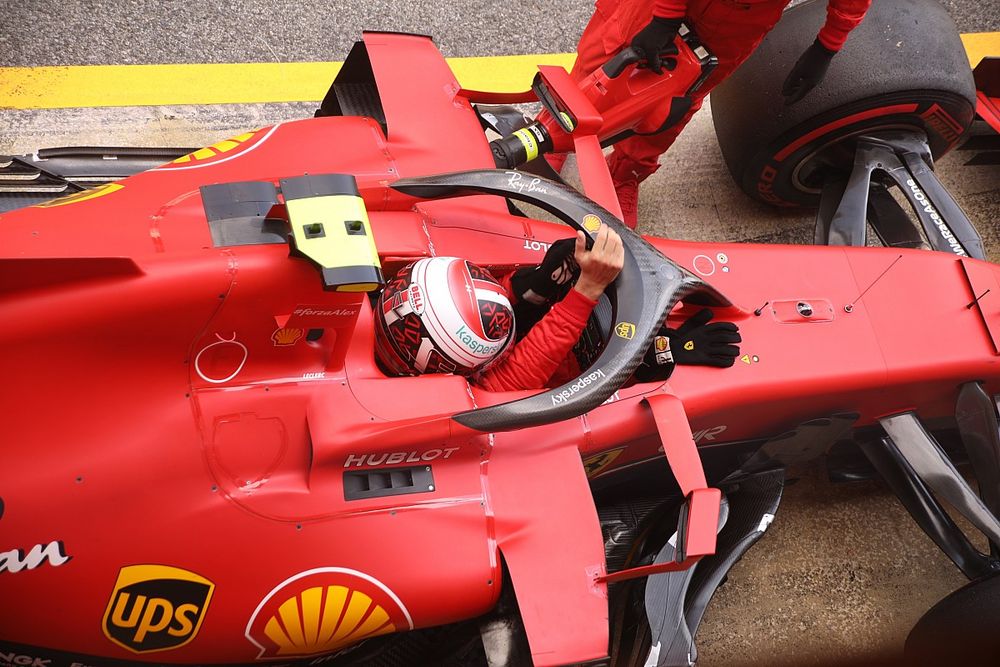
(694,343)
(537,288)
(655,39)
(808,71)
(548,282)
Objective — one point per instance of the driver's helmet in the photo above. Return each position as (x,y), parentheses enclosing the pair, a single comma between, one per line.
(442,315)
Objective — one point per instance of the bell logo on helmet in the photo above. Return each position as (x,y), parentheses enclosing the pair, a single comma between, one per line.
(156,607)
(322,611)
(416,299)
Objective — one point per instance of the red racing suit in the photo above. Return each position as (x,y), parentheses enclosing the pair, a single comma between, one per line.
(542,358)
(731,29)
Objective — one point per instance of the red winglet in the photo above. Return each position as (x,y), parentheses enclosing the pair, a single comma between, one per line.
(594,174)
(702,501)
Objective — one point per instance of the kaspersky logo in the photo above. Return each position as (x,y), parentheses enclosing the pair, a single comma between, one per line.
(156,607)
(322,611)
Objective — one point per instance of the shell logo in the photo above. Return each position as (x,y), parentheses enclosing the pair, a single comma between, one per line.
(591,223)
(221,151)
(286,336)
(322,611)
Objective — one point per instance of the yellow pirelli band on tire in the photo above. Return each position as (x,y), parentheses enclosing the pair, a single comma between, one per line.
(529,142)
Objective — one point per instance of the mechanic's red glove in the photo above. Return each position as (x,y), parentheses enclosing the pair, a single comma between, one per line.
(655,39)
(808,71)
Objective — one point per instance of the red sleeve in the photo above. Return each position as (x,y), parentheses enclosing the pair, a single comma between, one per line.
(842,16)
(537,356)
(508,288)
(670,9)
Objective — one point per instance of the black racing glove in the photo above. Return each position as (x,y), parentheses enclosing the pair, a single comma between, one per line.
(694,343)
(536,288)
(655,39)
(549,281)
(808,71)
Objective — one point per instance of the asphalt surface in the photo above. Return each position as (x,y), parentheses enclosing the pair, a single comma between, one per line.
(76,32)
(843,573)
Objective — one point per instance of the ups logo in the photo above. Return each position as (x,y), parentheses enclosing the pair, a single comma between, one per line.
(156,607)
(625,330)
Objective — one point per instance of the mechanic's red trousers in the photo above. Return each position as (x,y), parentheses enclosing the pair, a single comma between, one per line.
(729,29)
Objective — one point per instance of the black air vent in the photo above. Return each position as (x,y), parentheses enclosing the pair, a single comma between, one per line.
(359,484)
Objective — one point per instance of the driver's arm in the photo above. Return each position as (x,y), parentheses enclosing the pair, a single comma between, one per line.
(536,357)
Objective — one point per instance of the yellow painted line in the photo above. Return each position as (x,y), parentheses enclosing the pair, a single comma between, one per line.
(978,45)
(241,83)
(143,85)
(250,83)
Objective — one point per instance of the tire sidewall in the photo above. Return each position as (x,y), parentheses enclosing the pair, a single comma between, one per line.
(772,173)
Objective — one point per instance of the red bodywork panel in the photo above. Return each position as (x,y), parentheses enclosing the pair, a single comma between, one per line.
(987,76)
(174,475)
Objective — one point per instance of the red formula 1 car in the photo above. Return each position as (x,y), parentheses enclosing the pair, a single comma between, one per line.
(203,463)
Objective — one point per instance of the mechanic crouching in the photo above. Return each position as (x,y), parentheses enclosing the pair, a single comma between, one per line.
(447,315)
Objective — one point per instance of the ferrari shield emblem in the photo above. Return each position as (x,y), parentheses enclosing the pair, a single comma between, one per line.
(625,330)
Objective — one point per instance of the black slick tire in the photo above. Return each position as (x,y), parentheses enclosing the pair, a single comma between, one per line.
(904,67)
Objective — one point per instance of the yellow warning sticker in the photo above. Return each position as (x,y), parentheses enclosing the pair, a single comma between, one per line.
(529,142)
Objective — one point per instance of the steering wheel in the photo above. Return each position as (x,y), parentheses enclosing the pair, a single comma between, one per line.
(647,288)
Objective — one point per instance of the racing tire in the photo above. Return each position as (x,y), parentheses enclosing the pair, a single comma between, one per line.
(960,629)
(904,67)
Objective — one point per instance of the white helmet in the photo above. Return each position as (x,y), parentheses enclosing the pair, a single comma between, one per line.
(442,315)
